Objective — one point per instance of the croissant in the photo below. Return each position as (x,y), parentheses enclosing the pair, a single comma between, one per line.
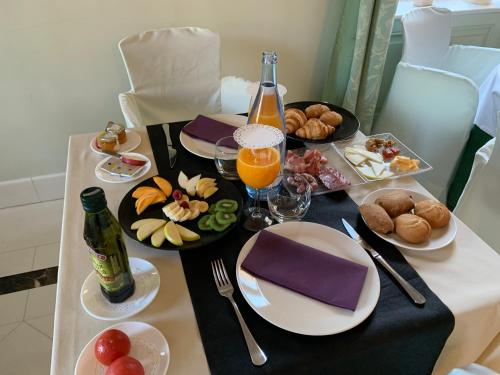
(331,118)
(294,119)
(316,110)
(314,129)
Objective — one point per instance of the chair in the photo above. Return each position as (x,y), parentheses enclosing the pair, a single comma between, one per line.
(479,206)
(434,94)
(174,74)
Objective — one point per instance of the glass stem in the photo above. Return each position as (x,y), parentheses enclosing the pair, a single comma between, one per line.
(257,203)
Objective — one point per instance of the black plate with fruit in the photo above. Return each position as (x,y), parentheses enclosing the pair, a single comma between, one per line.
(215,188)
(348,127)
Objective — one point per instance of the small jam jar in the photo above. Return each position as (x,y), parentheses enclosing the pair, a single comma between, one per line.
(108,142)
(118,130)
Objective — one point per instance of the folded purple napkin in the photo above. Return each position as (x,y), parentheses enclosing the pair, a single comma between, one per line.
(305,270)
(210,130)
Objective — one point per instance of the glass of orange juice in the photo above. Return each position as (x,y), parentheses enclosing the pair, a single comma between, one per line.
(258,164)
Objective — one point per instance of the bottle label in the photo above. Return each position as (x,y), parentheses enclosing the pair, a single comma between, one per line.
(108,274)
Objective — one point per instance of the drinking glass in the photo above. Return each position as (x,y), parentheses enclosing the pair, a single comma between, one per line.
(258,165)
(290,200)
(226,153)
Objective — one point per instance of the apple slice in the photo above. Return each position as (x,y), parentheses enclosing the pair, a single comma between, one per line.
(203,187)
(182,180)
(191,185)
(148,228)
(186,234)
(158,237)
(137,224)
(132,161)
(172,234)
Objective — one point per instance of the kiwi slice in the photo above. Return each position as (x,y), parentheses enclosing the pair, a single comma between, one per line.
(226,205)
(216,226)
(212,209)
(225,217)
(204,223)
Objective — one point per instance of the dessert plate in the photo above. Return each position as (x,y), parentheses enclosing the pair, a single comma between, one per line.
(115,179)
(206,149)
(439,237)
(345,130)
(148,346)
(295,312)
(147,284)
(133,141)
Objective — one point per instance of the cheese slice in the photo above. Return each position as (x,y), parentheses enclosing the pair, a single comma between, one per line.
(367,171)
(386,174)
(378,168)
(367,154)
(355,159)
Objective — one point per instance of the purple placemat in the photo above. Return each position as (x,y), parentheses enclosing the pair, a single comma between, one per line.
(303,269)
(210,130)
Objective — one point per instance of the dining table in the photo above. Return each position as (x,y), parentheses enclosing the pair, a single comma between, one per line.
(464,275)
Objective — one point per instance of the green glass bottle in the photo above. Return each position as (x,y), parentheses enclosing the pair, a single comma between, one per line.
(103,235)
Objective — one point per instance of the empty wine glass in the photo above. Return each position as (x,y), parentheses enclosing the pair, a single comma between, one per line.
(226,153)
(289,200)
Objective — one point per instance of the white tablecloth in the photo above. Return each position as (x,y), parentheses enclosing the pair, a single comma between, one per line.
(465,276)
(489,103)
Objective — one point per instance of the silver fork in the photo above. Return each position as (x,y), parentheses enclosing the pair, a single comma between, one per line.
(226,289)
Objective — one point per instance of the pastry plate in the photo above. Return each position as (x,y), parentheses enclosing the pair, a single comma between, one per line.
(345,130)
(295,312)
(439,237)
(147,284)
(148,346)
(133,141)
(206,149)
(127,214)
(115,179)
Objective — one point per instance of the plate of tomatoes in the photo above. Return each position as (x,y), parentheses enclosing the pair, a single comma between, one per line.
(128,348)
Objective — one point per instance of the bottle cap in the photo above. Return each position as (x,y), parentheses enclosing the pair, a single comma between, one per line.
(93,199)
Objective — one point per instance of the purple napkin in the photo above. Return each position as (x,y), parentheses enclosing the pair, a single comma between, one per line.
(305,270)
(210,130)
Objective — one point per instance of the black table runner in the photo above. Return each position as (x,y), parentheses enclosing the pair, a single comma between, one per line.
(397,338)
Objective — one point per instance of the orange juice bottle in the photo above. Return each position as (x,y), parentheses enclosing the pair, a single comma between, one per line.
(267,108)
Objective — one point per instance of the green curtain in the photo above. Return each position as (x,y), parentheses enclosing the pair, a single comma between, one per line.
(358,57)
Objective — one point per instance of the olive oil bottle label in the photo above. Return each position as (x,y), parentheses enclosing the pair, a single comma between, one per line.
(108,271)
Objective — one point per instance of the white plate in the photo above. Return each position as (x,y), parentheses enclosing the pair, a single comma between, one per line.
(114,179)
(147,284)
(295,312)
(207,149)
(439,237)
(148,346)
(133,141)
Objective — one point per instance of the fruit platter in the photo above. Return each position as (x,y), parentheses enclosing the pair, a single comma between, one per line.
(181,210)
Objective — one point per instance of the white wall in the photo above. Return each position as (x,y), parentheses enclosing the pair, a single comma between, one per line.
(61,72)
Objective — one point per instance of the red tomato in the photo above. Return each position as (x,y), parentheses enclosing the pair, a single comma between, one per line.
(112,344)
(125,366)
(387,153)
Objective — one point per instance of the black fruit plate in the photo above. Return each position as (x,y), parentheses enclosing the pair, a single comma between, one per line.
(347,129)
(127,214)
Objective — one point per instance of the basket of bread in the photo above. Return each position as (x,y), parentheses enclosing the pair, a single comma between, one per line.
(316,122)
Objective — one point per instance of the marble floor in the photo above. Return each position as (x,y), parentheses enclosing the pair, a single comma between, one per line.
(29,250)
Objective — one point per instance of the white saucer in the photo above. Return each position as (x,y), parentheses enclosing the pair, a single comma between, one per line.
(114,179)
(148,346)
(147,284)
(439,237)
(133,141)
(295,312)
(206,149)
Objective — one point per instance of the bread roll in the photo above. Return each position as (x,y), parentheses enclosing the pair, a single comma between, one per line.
(316,110)
(331,118)
(396,203)
(412,228)
(436,213)
(376,218)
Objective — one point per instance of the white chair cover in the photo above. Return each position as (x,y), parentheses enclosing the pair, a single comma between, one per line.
(489,103)
(473,369)
(174,74)
(479,206)
(427,33)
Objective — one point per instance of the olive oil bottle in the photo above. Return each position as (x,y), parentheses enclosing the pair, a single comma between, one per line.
(103,235)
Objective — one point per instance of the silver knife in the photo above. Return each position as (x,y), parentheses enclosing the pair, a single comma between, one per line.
(172,152)
(414,294)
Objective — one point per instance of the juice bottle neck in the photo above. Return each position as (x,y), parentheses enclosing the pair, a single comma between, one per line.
(268,71)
